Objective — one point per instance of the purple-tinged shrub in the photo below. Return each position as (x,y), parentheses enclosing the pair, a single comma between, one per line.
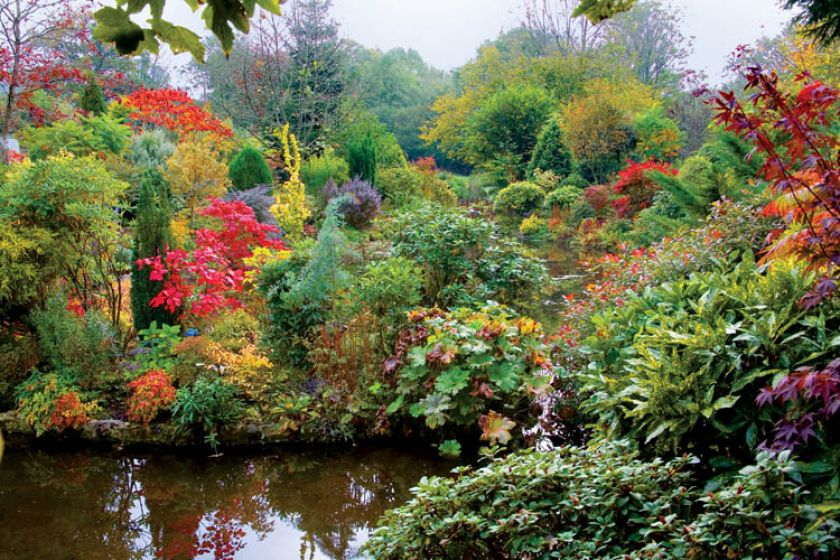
(361,205)
(810,396)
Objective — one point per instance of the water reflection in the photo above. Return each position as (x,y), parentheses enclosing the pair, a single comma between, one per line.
(301,506)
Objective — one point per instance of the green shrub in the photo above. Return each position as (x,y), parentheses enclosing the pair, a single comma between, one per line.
(462,263)
(156,347)
(151,149)
(533,227)
(609,504)
(207,406)
(53,401)
(361,156)
(79,203)
(88,135)
(663,219)
(458,184)
(362,132)
(550,154)
(459,365)
(400,186)
(694,189)
(84,346)
(679,366)
(316,171)
(732,231)
(436,190)
(765,511)
(569,503)
(474,187)
(389,288)
(563,197)
(249,169)
(406,186)
(235,329)
(91,99)
(576,180)
(290,322)
(519,199)
(300,291)
(29,262)
(18,356)
(579,211)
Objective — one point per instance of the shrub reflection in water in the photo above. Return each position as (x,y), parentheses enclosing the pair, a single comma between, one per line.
(286,505)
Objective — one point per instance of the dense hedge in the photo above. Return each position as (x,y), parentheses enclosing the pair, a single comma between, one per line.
(605,503)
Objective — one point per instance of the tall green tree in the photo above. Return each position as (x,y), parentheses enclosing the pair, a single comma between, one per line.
(821,18)
(152,235)
(317,69)
(361,156)
(653,42)
(290,69)
(502,133)
(399,87)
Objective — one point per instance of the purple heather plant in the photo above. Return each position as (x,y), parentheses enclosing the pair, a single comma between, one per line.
(362,202)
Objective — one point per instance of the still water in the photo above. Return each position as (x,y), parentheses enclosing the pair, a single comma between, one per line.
(278,506)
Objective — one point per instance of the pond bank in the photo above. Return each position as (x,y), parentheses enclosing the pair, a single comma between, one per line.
(120,433)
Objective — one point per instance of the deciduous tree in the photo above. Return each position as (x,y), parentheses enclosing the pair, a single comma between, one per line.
(174,110)
(29,58)
(557,23)
(197,172)
(653,42)
(502,132)
(801,164)
(77,201)
(209,278)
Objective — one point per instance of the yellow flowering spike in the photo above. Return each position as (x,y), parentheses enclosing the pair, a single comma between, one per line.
(290,208)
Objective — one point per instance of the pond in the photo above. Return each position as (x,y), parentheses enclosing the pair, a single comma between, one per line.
(567,275)
(283,505)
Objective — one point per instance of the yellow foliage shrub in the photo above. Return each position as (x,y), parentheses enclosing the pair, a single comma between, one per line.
(291,210)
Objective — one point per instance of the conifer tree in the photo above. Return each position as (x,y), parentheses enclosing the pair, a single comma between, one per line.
(694,189)
(249,169)
(361,156)
(550,153)
(92,99)
(151,237)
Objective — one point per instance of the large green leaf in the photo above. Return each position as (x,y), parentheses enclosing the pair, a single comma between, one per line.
(114,26)
(180,39)
(452,380)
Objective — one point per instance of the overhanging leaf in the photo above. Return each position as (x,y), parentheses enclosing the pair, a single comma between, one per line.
(180,39)
(114,26)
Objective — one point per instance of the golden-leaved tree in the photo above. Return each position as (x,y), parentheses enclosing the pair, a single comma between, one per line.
(597,124)
(197,171)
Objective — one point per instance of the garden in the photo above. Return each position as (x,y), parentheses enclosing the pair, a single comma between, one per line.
(593,299)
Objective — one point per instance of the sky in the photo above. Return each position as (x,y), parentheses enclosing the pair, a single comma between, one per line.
(448,32)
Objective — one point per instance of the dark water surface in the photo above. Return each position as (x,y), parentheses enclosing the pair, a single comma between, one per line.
(281,505)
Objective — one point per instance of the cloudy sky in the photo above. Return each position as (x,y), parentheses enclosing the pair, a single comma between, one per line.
(447,32)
